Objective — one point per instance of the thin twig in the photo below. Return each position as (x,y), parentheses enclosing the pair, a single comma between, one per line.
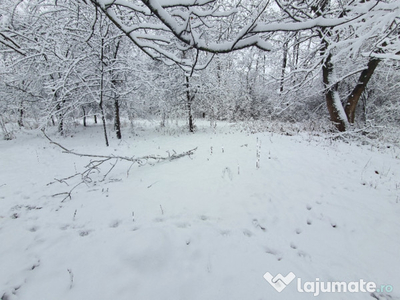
(99,160)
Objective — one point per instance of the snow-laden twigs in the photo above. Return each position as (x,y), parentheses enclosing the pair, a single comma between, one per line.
(98,160)
(139,160)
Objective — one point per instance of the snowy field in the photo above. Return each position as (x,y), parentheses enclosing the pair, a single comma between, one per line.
(203,227)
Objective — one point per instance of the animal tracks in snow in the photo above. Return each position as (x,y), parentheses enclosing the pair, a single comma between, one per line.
(256,224)
(115,223)
(182,224)
(247,233)
(274,252)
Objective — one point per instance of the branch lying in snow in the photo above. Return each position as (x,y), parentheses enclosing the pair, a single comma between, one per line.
(94,165)
(138,160)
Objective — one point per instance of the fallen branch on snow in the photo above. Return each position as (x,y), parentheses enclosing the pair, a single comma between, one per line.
(94,165)
(138,160)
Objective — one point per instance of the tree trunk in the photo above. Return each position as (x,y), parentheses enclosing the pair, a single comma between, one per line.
(364,109)
(60,119)
(131,116)
(335,107)
(189,100)
(61,125)
(21,117)
(352,99)
(284,63)
(114,84)
(332,98)
(84,117)
(163,118)
(296,49)
(95,119)
(104,126)
(191,126)
(341,116)
(102,91)
(117,121)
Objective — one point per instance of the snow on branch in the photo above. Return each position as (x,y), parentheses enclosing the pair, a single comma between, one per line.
(193,24)
(187,32)
(184,3)
(98,160)
(10,43)
(140,160)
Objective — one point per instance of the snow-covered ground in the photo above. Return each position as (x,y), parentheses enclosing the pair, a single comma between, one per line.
(208,226)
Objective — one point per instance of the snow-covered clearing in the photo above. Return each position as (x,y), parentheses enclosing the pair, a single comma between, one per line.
(207,226)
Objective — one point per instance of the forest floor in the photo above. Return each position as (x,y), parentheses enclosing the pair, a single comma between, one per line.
(205,226)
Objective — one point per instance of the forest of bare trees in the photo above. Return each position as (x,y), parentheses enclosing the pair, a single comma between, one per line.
(199,149)
(292,61)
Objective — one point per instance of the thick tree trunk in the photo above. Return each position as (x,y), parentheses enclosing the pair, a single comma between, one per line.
(352,100)
(335,107)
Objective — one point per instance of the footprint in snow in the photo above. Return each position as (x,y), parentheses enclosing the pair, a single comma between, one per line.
(309,207)
(257,225)
(33,229)
(274,252)
(203,218)
(304,255)
(115,223)
(247,233)
(11,295)
(298,231)
(84,232)
(182,225)
(64,227)
(293,246)
(37,264)
(309,222)
(225,232)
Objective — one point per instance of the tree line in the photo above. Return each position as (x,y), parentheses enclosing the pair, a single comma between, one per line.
(219,59)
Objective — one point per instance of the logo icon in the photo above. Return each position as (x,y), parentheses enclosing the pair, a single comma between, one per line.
(279,282)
